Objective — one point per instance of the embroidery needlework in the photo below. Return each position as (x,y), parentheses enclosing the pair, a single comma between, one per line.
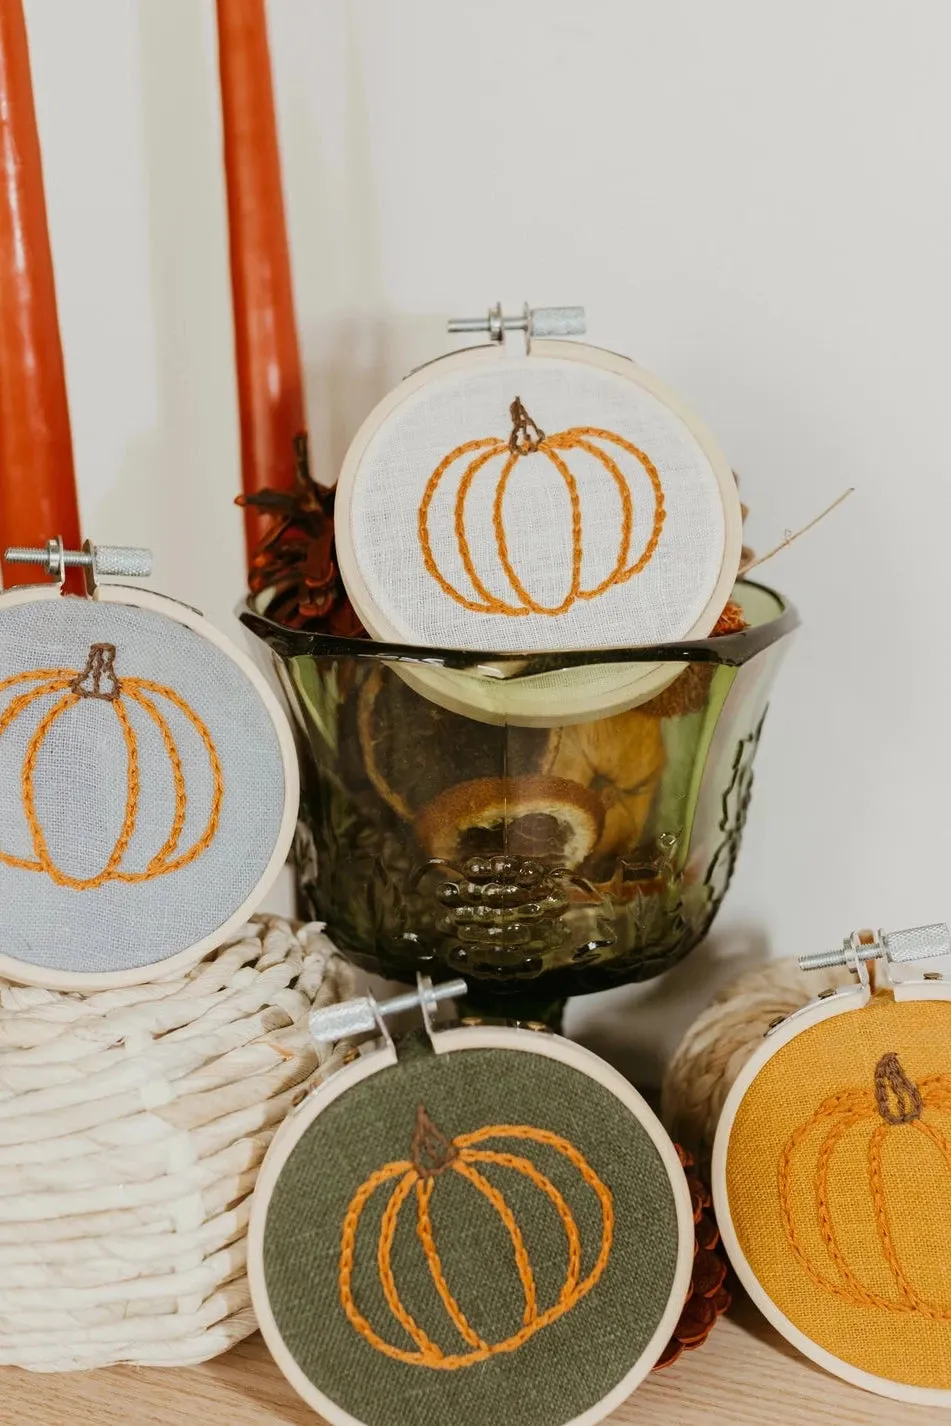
(527,439)
(434,1155)
(899,1105)
(99,681)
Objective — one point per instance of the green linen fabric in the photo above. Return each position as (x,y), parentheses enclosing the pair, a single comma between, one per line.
(568,1365)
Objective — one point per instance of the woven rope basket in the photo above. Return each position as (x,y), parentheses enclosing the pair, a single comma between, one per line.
(721,1040)
(132,1124)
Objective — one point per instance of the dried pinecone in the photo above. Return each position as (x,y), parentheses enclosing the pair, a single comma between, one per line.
(297,559)
(709,1297)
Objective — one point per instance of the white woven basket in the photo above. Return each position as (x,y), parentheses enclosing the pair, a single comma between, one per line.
(132,1124)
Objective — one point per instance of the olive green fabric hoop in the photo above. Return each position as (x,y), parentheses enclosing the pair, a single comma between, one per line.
(576,1365)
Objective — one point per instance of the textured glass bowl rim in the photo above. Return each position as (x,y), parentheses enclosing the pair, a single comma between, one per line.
(729,650)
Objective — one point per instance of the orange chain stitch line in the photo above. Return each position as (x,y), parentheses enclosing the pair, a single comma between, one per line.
(933,1310)
(28,796)
(855,1291)
(347,1250)
(56,680)
(578,438)
(857,1101)
(13,710)
(429,1354)
(178,775)
(577,543)
(882,1223)
(493,605)
(423,523)
(159,866)
(424,1230)
(522,1263)
(402,1191)
(523,1166)
(660,505)
(858,1104)
(61,676)
(617,575)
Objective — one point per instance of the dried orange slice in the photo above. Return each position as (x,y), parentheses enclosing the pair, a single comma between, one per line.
(620,760)
(544,818)
(413,750)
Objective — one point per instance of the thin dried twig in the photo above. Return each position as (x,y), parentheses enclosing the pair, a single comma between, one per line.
(791,539)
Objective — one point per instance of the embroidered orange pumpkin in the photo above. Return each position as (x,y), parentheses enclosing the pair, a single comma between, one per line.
(526,440)
(896,1153)
(433,1155)
(99,681)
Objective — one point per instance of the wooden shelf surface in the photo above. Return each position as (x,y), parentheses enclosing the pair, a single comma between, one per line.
(745,1375)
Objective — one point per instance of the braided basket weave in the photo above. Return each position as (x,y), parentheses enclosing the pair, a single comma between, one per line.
(721,1040)
(132,1124)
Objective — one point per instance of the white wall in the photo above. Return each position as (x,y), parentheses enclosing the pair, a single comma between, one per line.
(751,199)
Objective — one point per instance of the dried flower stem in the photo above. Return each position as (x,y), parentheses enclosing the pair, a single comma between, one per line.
(791,539)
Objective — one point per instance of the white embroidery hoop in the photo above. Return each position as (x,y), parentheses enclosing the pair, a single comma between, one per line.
(449,1041)
(851,1000)
(24,972)
(573,694)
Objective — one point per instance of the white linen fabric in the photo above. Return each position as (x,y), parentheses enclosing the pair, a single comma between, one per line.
(80,779)
(662,602)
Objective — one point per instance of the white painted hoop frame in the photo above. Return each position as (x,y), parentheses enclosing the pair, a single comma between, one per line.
(51,979)
(483,1037)
(637,682)
(851,1001)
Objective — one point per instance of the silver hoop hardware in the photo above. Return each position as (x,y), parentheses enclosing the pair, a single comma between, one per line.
(365,1013)
(96,561)
(916,943)
(533,321)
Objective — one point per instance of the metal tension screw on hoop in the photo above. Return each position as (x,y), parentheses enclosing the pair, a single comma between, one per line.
(122,561)
(886,949)
(355,1017)
(533,321)
(916,943)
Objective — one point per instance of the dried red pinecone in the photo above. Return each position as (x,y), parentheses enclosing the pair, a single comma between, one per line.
(297,559)
(708,1298)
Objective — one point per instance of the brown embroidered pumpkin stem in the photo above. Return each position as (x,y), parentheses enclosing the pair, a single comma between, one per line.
(432,1151)
(100,670)
(897,1097)
(526,437)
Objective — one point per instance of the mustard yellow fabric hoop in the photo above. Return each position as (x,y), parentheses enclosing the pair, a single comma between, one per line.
(838,1170)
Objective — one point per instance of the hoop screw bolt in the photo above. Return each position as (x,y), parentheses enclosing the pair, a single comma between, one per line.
(915,943)
(354,1017)
(533,321)
(125,561)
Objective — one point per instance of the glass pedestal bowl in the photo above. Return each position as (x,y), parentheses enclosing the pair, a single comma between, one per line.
(536,861)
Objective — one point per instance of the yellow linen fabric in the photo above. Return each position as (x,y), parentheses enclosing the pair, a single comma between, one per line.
(838,1177)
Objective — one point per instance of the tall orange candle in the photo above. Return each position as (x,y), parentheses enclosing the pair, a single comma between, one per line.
(37,482)
(270,386)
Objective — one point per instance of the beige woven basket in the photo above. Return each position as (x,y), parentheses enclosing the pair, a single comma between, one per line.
(721,1040)
(132,1124)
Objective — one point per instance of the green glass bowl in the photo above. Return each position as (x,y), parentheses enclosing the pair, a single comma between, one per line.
(538,862)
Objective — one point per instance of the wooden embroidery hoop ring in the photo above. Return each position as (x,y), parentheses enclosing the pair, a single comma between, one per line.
(574,700)
(479,1037)
(22,972)
(843,1002)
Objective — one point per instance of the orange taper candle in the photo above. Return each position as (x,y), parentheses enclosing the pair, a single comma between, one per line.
(37,483)
(270,386)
